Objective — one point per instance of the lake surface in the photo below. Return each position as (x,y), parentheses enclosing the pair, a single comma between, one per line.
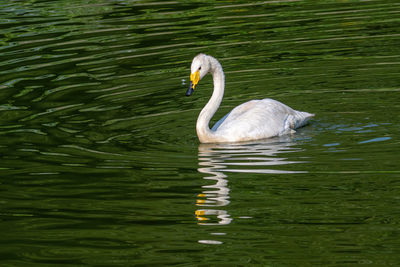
(100,163)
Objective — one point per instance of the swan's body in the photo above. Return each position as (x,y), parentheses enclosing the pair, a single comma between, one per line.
(253,120)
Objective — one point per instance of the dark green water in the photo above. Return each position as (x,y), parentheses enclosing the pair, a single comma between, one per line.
(99,159)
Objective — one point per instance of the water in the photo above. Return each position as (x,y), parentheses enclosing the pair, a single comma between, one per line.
(99,159)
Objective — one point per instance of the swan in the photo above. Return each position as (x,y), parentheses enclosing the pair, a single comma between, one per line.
(253,120)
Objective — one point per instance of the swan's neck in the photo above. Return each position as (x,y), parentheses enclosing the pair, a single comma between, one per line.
(202,127)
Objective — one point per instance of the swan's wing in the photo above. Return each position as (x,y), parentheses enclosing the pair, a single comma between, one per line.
(218,123)
(259,119)
(235,114)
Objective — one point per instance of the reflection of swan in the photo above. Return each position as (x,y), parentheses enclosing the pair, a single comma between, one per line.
(249,157)
(253,120)
(215,195)
(216,160)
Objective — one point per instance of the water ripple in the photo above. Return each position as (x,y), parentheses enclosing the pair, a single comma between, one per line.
(99,153)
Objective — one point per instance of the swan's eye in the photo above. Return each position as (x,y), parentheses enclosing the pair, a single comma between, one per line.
(199,68)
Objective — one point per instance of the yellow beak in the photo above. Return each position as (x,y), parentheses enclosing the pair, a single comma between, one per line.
(194,78)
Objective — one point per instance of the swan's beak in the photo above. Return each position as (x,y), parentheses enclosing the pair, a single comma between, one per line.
(194,80)
(189,91)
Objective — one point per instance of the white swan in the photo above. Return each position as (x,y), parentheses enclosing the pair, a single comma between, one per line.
(253,120)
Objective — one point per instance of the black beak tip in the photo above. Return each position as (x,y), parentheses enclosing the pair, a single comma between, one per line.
(189,92)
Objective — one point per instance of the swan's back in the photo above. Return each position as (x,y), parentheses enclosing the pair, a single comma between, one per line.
(258,119)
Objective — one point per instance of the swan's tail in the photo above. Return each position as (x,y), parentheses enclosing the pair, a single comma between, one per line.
(302,118)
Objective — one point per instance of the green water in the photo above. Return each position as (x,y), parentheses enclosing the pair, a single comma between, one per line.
(100,164)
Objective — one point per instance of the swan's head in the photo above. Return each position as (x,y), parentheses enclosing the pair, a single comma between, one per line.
(200,67)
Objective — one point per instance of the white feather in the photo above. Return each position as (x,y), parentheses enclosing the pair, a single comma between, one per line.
(253,120)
